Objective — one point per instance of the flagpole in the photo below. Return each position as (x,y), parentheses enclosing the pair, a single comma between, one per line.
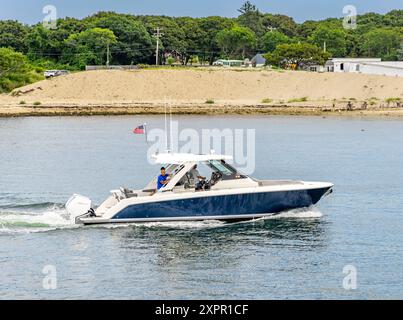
(145,131)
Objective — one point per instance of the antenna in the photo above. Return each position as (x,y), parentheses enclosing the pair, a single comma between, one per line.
(166,129)
(170,126)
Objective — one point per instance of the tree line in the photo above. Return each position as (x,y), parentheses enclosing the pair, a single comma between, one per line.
(129,38)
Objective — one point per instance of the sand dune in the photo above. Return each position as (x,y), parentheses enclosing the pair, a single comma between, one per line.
(229,87)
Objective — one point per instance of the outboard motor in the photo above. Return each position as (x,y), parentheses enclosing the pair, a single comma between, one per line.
(79,206)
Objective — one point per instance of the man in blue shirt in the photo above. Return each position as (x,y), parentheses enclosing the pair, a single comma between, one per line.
(163,179)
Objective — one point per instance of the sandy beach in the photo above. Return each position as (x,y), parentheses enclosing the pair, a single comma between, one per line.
(207,91)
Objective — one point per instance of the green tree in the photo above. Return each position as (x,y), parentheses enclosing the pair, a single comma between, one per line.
(236,41)
(281,23)
(369,21)
(41,43)
(383,43)
(12,35)
(400,53)
(211,26)
(393,18)
(170,61)
(173,36)
(134,44)
(247,7)
(49,44)
(298,54)
(15,70)
(195,37)
(305,29)
(251,18)
(272,39)
(335,39)
(88,47)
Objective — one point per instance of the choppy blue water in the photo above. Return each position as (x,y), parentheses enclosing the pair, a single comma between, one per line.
(298,255)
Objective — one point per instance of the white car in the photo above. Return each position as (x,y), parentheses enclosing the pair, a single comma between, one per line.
(54,73)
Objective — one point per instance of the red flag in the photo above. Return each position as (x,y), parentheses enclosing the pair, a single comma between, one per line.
(139,130)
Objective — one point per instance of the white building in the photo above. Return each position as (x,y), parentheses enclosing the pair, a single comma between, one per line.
(348,64)
(386,68)
(365,65)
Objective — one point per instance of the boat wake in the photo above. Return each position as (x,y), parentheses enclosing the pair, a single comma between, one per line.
(303,213)
(43,217)
(37,217)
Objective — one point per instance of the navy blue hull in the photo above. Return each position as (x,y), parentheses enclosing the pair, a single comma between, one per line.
(223,206)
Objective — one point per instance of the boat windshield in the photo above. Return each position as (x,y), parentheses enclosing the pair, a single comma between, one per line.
(222,168)
(227,171)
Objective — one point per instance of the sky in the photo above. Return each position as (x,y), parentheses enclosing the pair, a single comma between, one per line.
(30,11)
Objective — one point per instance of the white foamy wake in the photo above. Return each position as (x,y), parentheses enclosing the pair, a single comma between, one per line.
(187,224)
(303,213)
(56,217)
(50,218)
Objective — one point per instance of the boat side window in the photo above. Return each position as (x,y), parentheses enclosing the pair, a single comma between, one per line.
(175,169)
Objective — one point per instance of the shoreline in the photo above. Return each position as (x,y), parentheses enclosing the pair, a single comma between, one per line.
(192,109)
(218,92)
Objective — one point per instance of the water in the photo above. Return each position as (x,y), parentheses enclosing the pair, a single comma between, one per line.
(297,255)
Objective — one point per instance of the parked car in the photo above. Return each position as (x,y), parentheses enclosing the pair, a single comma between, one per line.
(54,73)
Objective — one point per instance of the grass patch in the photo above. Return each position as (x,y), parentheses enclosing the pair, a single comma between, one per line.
(209,101)
(267,100)
(303,99)
(392,100)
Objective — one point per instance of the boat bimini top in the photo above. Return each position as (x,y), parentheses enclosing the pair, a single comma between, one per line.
(181,158)
(179,165)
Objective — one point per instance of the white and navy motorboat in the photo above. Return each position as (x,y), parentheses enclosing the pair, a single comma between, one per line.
(226,195)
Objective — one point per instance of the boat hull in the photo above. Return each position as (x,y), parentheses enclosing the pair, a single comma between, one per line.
(219,207)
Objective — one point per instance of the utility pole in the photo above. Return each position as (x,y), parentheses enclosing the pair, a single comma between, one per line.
(107,54)
(157,35)
(324,47)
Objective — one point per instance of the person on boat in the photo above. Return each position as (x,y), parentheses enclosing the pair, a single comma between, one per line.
(194,173)
(163,179)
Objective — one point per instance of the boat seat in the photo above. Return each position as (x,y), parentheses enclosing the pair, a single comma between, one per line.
(128,193)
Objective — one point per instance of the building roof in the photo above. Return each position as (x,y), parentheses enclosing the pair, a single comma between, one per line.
(224,60)
(259,59)
(387,64)
(355,60)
